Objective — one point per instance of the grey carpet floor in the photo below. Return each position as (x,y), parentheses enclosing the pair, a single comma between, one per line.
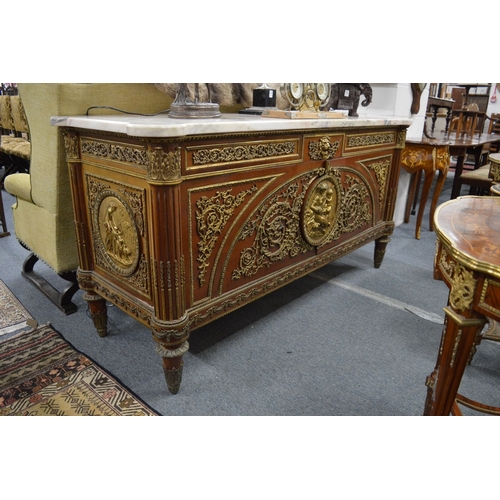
(347,340)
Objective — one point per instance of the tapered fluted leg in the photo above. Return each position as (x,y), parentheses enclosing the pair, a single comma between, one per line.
(457,342)
(172,365)
(98,312)
(380,246)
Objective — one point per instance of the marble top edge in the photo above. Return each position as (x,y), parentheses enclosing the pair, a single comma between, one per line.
(164,126)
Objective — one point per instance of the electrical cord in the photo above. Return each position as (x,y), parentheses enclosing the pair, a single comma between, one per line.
(126,112)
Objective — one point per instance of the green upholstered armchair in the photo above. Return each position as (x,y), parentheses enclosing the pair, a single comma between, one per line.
(43,212)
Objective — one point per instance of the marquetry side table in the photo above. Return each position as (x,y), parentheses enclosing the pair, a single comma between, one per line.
(467,259)
(427,158)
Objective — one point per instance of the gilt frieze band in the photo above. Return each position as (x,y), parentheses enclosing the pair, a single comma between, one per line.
(243,152)
(376,139)
(116,152)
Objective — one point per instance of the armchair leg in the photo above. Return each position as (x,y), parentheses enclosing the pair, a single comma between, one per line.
(3,223)
(61,299)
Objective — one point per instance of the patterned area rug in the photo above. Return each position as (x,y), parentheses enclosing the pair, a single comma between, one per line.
(42,374)
(13,315)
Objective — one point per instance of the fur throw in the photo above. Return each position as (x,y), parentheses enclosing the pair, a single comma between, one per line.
(225,94)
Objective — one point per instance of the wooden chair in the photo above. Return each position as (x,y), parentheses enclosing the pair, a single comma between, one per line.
(494,128)
(483,178)
(15,147)
(465,121)
(478,180)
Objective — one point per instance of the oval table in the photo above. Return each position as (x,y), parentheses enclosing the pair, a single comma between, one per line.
(467,259)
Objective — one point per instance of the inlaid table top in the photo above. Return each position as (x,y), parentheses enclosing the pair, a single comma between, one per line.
(470,227)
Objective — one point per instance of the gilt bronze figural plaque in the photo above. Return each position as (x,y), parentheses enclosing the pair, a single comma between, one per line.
(320,210)
(118,234)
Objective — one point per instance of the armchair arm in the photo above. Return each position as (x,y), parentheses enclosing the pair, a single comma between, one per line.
(19,185)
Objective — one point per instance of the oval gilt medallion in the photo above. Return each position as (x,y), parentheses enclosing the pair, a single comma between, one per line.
(320,210)
(118,233)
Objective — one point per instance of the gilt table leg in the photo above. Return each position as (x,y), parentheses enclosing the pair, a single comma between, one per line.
(457,341)
(98,312)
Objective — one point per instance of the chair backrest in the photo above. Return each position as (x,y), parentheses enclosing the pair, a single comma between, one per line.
(494,127)
(6,122)
(50,187)
(19,120)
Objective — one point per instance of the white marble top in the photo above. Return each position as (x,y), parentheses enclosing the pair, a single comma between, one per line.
(163,126)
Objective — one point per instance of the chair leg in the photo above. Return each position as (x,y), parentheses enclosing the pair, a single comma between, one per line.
(61,299)
(3,223)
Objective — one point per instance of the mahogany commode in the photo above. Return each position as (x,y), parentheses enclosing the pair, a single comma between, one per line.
(180,222)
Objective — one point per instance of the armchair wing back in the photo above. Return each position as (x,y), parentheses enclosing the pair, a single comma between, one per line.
(43,212)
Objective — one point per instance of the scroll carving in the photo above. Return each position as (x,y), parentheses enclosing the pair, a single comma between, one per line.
(211,216)
(462,291)
(354,210)
(371,139)
(242,152)
(463,284)
(276,229)
(116,152)
(381,169)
